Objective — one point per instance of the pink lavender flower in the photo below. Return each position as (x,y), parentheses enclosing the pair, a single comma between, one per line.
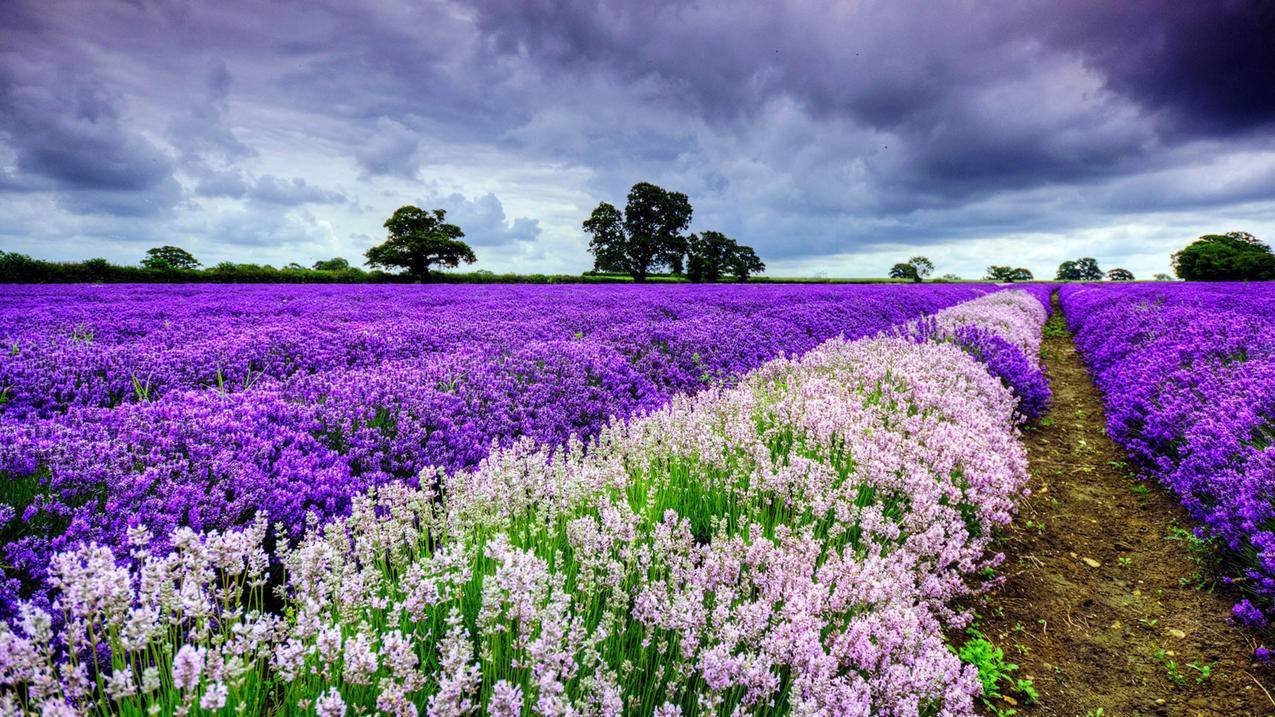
(330,704)
(214,697)
(506,700)
(187,666)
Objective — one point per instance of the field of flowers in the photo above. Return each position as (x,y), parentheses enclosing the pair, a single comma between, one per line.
(1188,372)
(466,521)
(199,406)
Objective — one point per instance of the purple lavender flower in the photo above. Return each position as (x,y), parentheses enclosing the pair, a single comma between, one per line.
(1246,613)
(1188,373)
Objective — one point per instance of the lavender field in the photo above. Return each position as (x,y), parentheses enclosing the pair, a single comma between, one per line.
(506,500)
(175,406)
(1188,371)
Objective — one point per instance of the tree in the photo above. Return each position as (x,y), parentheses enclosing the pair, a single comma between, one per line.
(1163,277)
(293,266)
(904,271)
(708,256)
(916,269)
(711,255)
(1008,274)
(1119,274)
(608,244)
(169,258)
(950,277)
(1234,256)
(745,263)
(924,267)
(336,263)
(646,237)
(1085,269)
(419,239)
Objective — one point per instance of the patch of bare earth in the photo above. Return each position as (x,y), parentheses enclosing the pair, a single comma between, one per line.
(1099,606)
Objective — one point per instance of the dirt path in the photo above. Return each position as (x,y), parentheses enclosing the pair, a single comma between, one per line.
(1100,605)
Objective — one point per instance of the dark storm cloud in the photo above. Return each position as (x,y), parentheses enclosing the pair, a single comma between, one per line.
(1210,64)
(976,96)
(66,135)
(806,128)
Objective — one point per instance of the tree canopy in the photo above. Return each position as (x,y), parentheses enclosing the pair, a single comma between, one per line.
(710,255)
(1234,256)
(1008,274)
(924,267)
(916,269)
(1119,274)
(1084,269)
(646,237)
(745,262)
(904,270)
(169,258)
(336,263)
(419,239)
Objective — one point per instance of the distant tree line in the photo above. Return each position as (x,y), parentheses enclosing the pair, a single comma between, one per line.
(16,268)
(646,241)
(1087,269)
(20,268)
(1008,274)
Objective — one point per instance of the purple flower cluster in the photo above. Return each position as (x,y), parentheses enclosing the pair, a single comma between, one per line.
(1007,362)
(170,406)
(1188,371)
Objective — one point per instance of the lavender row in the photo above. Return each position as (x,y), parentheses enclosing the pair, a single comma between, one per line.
(294,399)
(1002,332)
(791,545)
(1188,372)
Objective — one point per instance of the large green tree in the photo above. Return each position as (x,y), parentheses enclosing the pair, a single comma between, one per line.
(745,262)
(711,255)
(916,269)
(904,270)
(1008,274)
(924,267)
(648,235)
(1084,269)
(1234,256)
(1119,274)
(419,239)
(708,255)
(169,258)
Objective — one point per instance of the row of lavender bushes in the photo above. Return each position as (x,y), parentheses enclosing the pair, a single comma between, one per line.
(1188,372)
(791,544)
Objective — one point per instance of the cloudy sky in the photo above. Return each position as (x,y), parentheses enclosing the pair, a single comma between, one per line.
(834,136)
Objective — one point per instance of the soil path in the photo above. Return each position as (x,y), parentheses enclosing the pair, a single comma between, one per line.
(1101,606)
